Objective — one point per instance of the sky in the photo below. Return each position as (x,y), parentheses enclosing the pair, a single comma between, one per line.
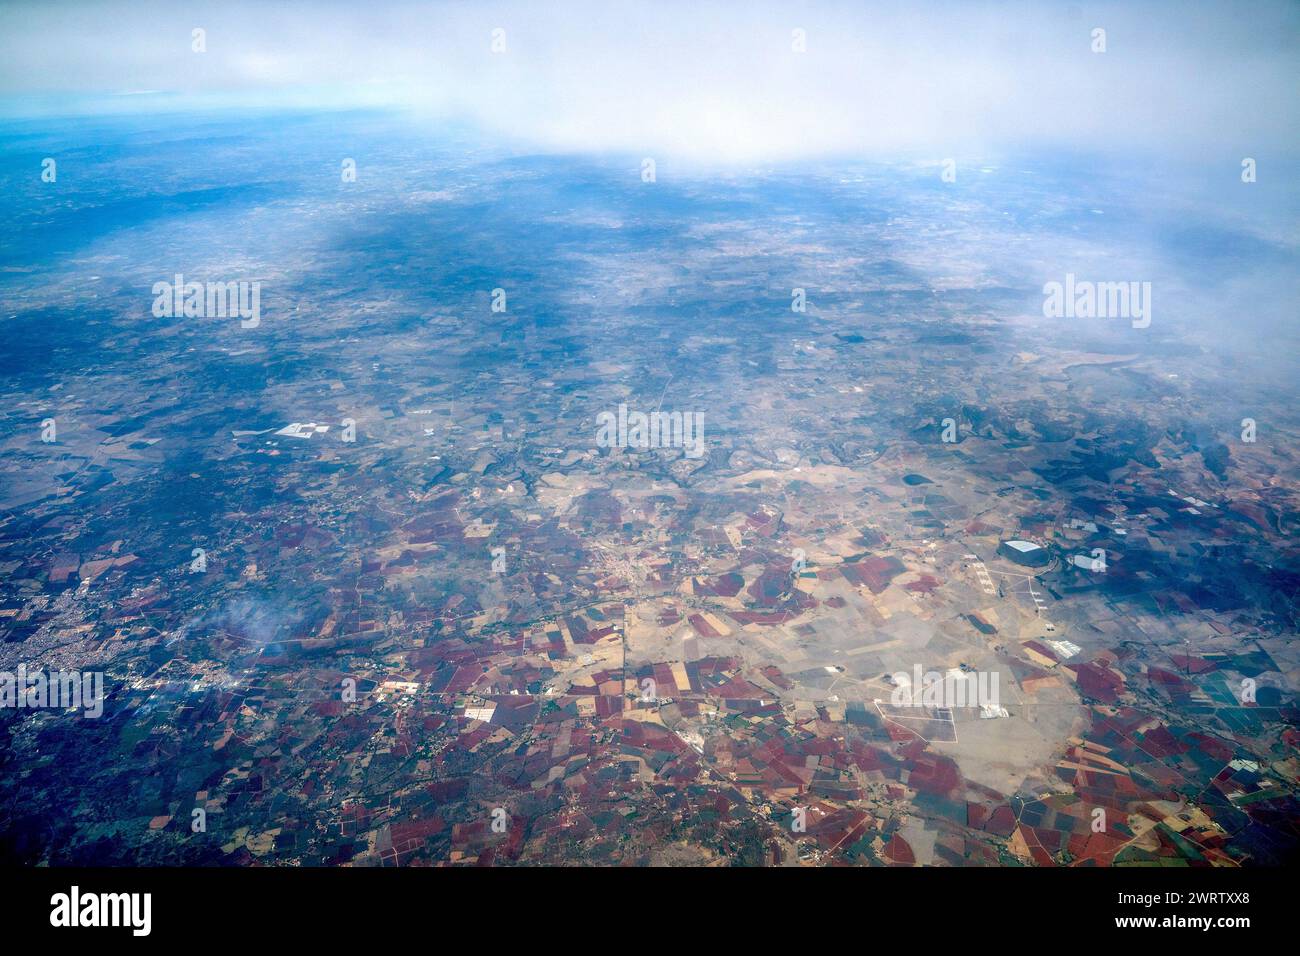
(698,80)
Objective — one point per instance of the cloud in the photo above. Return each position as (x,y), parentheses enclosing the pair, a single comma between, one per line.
(260,622)
(709,80)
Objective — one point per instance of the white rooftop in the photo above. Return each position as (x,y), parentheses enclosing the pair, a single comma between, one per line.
(1024,546)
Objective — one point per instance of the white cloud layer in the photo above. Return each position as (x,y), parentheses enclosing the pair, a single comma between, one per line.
(707,80)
